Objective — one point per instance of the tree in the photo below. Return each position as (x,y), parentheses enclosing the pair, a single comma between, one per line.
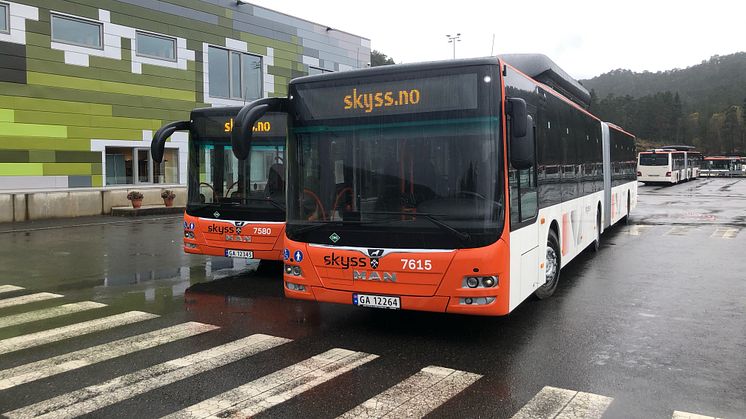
(378,58)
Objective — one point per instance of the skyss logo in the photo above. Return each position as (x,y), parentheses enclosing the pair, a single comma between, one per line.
(345,261)
(221,229)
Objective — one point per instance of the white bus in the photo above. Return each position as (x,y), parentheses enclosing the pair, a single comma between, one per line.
(668,165)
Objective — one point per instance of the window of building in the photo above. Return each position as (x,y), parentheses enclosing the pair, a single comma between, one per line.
(4,18)
(312,71)
(234,75)
(129,165)
(156,46)
(76,31)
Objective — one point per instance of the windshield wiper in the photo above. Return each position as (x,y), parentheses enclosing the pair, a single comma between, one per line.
(274,203)
(318,225)
(461,235)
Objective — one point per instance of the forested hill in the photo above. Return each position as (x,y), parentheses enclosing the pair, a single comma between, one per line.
(702,105)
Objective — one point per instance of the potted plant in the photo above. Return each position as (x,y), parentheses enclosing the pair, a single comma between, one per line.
(168,197)
(136,198)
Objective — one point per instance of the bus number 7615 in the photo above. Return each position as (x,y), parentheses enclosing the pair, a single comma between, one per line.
(417,264)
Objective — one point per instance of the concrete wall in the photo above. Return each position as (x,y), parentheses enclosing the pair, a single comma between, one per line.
(22,206)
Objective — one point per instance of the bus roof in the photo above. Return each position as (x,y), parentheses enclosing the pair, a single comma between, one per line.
(397,68)
(678,147)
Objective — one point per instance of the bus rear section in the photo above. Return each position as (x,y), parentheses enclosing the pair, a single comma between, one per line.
(657,167)
(235,208)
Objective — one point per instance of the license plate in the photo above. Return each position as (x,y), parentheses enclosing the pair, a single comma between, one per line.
(376,301)
(248,254)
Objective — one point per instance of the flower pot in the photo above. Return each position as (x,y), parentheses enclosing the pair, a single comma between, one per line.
(136,203)
(169,202)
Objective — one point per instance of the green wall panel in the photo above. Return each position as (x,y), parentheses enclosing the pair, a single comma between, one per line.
(63,169)
(42,156)
(32,130)
(97,181)
(78,157)
(21,169)
(105,133)
(37,104)
(108,86)
(6,115)
(14,156)
(43,143)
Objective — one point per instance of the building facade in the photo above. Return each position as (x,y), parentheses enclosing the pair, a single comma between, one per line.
(85,83)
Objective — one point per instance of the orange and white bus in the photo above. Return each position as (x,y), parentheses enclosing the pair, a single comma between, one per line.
(235,208)
(460,186)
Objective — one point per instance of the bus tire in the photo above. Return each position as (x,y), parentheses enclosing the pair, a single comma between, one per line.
(553,263)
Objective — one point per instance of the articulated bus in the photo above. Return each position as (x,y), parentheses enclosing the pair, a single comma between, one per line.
(235,208)
(460,186)
(724,166)
(670,165)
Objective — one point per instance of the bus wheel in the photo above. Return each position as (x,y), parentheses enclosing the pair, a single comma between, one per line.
(552,264)
(597,242)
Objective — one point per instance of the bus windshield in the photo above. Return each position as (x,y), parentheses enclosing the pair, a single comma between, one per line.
(220,178)
(654,159)
(415,180)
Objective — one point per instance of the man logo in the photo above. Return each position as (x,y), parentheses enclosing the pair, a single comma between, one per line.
(374,263)
(375,253)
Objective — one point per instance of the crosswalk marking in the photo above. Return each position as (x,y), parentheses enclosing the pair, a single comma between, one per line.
(25,299)
(97,396)
(417,395)
(78,359)
(9,288)
(48,313)
(725,233)
(559,403)
(78,329)
(273,389)
(684,415)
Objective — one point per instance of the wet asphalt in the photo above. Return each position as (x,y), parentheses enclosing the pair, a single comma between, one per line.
(655,320)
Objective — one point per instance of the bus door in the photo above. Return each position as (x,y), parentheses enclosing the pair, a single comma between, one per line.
(524,230)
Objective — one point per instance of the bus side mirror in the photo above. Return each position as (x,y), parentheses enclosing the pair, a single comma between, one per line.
(521,135)
(158,144)
(517,112)
(243,128)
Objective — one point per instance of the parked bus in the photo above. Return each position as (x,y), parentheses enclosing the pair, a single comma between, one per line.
(724,166)
(669,165)
(460,186)
(235,208)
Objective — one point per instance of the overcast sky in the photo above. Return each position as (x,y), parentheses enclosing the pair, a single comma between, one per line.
(586,38)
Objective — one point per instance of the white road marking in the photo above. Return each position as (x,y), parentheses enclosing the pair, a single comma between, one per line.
(25,299)
(9,288)
(416,396)
(97,396)
(84,357)
(636,230)
(685,415)
(558,403)
(678,231)
(78,329)
(273,389)
(725,233)
(48,313)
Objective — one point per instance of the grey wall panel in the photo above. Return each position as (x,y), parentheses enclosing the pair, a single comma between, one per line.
(175,10)
(282,18)
(264,23)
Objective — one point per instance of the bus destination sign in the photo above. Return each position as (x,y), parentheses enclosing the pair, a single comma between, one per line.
(428,94)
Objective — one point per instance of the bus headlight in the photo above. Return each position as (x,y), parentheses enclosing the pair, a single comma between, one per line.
(296,270)
(480,281)
(288,269)
(293,270)
(188,234)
